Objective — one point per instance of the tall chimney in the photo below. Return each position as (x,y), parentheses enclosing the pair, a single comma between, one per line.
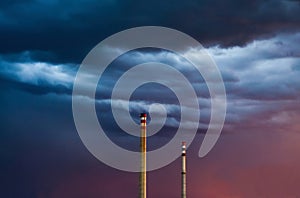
(183,171)
(143,148)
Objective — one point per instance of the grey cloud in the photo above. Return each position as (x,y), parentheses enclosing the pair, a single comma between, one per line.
(268,79)
(265,68)
(37,77)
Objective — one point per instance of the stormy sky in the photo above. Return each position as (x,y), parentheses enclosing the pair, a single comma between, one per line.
(256,45)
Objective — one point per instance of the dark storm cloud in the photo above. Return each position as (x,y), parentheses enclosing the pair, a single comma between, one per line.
(69,29)
(65,28)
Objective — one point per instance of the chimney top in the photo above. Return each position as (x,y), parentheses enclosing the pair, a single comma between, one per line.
(143,115)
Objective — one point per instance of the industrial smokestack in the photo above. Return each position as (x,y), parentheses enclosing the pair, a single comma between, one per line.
(183,170)
(143,148)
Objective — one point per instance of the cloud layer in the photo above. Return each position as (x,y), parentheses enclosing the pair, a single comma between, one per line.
(261,76)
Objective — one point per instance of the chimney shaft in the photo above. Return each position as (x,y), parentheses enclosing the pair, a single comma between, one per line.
(143,148)
(183,170)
